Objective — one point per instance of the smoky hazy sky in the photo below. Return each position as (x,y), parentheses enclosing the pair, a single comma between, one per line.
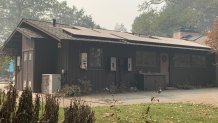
(107,13)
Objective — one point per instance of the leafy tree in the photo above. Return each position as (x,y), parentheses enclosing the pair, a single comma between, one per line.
(175,14)
(4,63)
(145,23)
(212,40)
(71,16)
(12,11)
(120,27)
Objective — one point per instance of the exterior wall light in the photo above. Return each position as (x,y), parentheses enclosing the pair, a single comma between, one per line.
(62,71)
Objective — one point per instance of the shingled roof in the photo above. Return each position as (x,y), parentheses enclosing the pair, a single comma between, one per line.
(56,32)
(66,32)
(29,33)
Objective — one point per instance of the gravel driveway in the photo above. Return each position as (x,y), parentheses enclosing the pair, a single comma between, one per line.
(205,96)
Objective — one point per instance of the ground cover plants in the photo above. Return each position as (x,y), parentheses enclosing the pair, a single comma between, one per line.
(161,113)
(31,108)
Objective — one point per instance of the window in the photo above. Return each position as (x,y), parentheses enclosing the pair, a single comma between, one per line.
(95,58)
(198,60)
(146,59)
(182,60)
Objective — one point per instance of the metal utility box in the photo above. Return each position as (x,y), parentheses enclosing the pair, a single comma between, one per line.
(51,83)
(151,81)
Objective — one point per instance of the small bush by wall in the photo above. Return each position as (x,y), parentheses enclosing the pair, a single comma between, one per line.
(78,112)
(8,105)
(69,90)
(24,113)
(51,110)
(36,109)
(27,110)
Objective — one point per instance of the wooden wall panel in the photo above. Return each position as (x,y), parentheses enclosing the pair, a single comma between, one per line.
(196,76)
(103,78)
(46,59)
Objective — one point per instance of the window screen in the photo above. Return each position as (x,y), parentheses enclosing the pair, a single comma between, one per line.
(182,60)
(198,60)
(95,58)
(146,58)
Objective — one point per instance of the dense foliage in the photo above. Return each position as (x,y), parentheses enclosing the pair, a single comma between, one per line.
(36,109)
(212,40)
(24,113)
(12,11)
(8,105)
(4,63)
(79,113)
(29,109)
(163,17)
(51,110)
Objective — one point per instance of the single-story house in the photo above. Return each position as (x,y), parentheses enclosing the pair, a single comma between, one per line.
(105,57)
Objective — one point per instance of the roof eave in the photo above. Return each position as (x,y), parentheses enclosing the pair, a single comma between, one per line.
(143,44)
(8,40)
(28,36)
(11,35)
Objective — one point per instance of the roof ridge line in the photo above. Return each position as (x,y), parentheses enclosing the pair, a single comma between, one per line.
(46,21)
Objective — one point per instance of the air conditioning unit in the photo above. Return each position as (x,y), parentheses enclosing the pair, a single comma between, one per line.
(51,83)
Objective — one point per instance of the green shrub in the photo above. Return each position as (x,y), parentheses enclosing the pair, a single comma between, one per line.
(81,86)
(51,110)
(8,107)
(85,85)
(2,97)
(69,90)
(24,112)
(78,112)
(36,109)
(28,110)
(185,86)
(113,89)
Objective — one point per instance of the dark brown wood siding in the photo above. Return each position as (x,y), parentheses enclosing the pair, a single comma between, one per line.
(18,74)
(196,76)
(102,78)
(26,70)
(46,59)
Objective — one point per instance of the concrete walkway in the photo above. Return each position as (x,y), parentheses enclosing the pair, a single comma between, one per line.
(205,96)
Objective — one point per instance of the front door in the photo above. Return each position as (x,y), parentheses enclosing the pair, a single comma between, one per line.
(164,66)
(119,71)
